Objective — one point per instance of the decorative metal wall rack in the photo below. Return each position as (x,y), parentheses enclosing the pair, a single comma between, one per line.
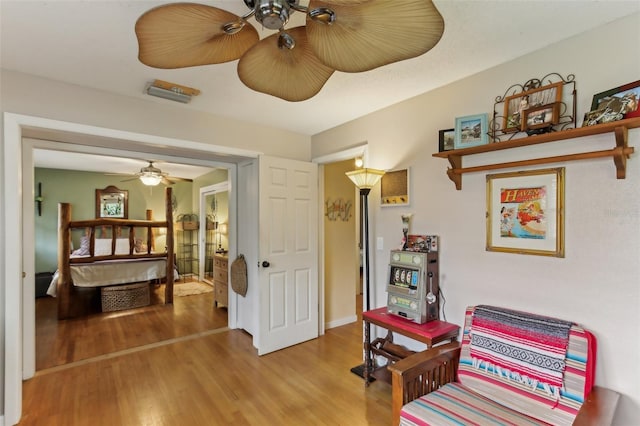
(537,106)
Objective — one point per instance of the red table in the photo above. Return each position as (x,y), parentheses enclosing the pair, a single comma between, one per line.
(430,333)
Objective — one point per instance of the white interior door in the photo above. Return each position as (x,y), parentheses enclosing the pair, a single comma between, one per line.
(288,253)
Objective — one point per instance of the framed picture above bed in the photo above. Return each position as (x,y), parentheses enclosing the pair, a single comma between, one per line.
(112,202)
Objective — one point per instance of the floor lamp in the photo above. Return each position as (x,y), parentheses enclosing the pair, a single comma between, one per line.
(365,179)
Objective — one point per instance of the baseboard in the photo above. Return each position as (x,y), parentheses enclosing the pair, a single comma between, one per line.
(340,322)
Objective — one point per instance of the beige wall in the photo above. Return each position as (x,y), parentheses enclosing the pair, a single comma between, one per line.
(340,241)
(30,95)
(597,283)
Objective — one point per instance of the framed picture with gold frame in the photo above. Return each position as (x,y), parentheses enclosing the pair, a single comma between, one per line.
(525,212)
(394,188)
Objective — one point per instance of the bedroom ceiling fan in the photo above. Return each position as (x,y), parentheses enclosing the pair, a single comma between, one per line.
(152,176)
(295,63)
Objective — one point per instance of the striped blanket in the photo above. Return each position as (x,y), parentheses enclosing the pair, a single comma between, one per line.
(520,346)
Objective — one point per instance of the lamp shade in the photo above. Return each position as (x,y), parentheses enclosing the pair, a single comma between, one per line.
(223,228)
(365,178)
(150,179)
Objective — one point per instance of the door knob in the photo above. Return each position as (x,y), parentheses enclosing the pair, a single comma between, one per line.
(265,264)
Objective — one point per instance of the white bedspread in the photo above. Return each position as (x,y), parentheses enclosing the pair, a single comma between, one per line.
(111,272)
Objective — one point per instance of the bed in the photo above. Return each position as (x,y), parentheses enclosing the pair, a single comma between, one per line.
(111,252)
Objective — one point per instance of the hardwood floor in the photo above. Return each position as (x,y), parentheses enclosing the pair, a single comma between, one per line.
(63,342)
(207,378)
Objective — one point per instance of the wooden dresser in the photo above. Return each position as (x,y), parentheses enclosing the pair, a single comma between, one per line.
(220,279)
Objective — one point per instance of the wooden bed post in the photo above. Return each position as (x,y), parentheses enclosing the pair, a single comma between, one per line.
(151,235)
(64,289)
(168,290)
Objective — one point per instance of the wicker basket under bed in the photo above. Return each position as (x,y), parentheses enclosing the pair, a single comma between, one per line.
(119,297)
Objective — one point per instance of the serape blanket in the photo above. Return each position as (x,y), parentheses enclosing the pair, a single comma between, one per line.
(520,346)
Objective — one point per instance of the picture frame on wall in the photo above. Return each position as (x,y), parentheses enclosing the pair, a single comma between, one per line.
(112,203)
(525,212)
(394,188)
(516,105)
(446,140)
(470,131)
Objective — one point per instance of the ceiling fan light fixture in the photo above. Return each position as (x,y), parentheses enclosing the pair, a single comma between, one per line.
(150,179)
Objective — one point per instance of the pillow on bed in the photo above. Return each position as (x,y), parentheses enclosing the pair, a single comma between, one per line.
(122,246)
(140,247)
(103,246)
(84,247)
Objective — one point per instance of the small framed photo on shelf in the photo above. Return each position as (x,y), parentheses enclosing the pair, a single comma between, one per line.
(445,140)
(516,105)
(541,117)
(614,104)
(471,130)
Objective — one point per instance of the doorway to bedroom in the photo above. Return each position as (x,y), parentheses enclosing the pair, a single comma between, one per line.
(193,312)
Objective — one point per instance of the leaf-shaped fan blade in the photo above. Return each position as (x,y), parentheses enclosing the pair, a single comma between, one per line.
(182,35)
(291,74)
(369,34)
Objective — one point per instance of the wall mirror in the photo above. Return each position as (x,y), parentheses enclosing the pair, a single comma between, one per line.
(112,202)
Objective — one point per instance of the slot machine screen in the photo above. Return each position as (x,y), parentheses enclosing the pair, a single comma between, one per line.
(403,277)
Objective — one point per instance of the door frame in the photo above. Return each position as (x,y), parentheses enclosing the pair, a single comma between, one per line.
(202,250)
(358,151)
(20,365)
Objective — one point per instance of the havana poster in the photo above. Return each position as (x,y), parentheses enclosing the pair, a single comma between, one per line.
(522,212)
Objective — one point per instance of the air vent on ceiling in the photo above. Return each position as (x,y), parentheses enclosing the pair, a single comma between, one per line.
(171,91)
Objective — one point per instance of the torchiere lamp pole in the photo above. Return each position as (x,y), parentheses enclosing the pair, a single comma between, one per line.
(365,179)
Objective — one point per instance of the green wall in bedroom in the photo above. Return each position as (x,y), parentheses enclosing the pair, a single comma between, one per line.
(78,189)
(211,178)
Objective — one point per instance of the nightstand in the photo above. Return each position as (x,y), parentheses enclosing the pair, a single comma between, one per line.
(221,279)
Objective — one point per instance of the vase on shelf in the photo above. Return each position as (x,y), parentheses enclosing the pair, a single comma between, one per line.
(406,218)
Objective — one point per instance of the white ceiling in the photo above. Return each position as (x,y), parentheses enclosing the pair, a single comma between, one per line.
(92,43)
(54,159)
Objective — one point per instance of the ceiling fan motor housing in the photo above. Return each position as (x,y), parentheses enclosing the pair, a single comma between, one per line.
(272,14)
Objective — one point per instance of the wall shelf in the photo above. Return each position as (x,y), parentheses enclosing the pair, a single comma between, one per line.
(619,153)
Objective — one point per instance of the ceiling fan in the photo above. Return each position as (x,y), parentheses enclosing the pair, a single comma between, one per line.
(295,63)
(152,176)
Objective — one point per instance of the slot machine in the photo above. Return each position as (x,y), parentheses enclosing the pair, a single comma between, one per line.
(412,288)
